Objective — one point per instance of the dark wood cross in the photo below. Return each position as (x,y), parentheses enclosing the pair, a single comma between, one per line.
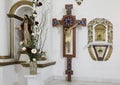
(69,24)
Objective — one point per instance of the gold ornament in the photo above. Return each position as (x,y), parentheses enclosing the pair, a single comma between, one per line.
(79,2)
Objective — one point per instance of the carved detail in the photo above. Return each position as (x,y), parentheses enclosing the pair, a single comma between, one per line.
(100,33)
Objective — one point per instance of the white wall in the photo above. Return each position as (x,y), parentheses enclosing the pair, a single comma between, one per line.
(83,65)
(1,76)
(3,30)
(8,73)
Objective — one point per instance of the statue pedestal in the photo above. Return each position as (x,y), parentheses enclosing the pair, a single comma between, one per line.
(32,79)
(44,73)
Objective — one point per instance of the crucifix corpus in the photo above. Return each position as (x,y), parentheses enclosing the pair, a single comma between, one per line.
(69,24)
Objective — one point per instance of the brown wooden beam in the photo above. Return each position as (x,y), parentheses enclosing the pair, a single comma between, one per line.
(11,63)
(15,16)
(40,65)
(4,57)
(24,64)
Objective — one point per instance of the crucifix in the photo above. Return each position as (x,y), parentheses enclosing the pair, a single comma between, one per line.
(69,24)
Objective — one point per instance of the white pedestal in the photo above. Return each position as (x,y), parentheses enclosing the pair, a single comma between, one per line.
(44,75)
(32,79)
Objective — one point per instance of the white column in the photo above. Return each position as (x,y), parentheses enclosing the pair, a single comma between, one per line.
(4,37)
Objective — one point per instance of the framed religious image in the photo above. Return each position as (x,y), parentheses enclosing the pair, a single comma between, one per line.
(25,29)
(100,32)
(69,36)
(100,39)
(16,15)
(69,24)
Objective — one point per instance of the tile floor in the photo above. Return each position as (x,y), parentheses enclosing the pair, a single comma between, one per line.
(62,82)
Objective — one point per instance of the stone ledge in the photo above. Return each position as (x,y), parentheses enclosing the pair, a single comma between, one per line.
(11,63)
(46,64)
(4,57)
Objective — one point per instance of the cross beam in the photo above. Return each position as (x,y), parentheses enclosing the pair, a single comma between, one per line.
(69,71)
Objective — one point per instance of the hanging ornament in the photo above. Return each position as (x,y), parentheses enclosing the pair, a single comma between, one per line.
(79,2)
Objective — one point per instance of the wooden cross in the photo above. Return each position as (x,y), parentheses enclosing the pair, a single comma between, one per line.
(69,24)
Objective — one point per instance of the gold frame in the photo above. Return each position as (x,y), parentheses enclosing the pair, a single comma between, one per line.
(100,31)
(92,37)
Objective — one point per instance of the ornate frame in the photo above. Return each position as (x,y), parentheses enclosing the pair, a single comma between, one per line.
(73,37)
(79,2)
(108,38)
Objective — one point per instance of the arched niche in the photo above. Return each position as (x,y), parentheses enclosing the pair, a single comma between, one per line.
(100,39)
(100,32)
(16,14)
